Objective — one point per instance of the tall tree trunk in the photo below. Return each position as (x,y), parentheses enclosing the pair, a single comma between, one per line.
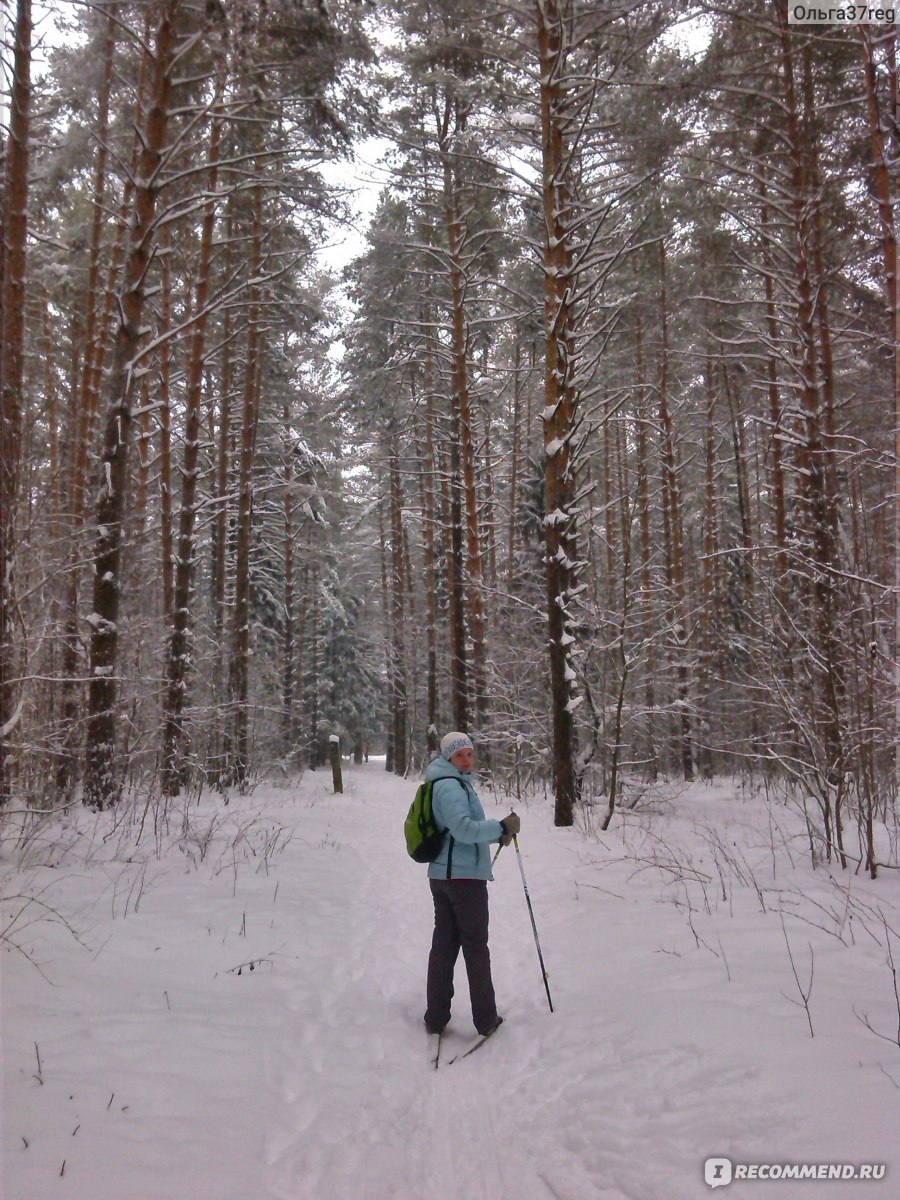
(817,510)
(465,422)
(173,768)
(453,541)
(675,537)
(512,540)
(101,773)
(238,752)
(709,574)
(14,233)
(398,622)
(776,471)
(881,174)
(87,382)
(647,620)
(429,517)
(311,678)
(51,395)
(883,192)
(287,645)
(166,491)
(825,364)
(560,400)
(387,610)
(742,490)
(219,565)
(488,523)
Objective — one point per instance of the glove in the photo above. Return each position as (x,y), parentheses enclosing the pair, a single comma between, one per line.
(511,826)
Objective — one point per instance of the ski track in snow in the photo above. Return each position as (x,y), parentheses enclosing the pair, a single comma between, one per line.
(472,1129)
(311,1077)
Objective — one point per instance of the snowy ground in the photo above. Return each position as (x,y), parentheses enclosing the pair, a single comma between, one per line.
(238,1014)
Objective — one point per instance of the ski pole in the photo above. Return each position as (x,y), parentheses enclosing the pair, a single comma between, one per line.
(500,847)
(533,926)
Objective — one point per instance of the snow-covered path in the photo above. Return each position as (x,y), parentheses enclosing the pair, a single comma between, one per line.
(145,1066)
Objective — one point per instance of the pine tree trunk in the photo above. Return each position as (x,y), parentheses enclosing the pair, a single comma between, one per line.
(825,364)
(311,680)
(817,509)
(238,737)
(287,644)
(710,566)
(453,541)
(219,565)
(14,233)
(488,523)
(675,534)
(398,622)
(560,402)
(300,659)
(166,491)
(883,192)
(648,623)
(173,768)
(429,518)
(54,423)
(86,385)
(465,423)
(881,174)
(144,459)
(512,540)
(742,490)
(776,472)
(102,773)
(610,516)
(387,610)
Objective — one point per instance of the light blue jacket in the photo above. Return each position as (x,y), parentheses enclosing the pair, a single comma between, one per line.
(457,809)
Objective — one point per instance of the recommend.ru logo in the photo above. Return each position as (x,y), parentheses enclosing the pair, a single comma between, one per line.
(721,1171)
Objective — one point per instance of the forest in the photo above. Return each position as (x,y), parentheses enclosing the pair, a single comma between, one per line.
(589,449)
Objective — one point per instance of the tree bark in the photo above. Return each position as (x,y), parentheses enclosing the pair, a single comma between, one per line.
(288,664)
(238,736)
(512,539)
(560,401)
(387,610)
(776,471)
(398,622)
(816,508)
(453,542)
(709,574)
(675,535)
(465,423)
(173,768)
(166,491)
(14,233)
(885,200)
(219,564)
(647,618)
(101,774)
(429,517)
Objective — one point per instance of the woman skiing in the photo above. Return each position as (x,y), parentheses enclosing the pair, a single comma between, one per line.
(458,878)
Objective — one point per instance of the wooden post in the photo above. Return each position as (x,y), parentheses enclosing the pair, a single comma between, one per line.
(335,747)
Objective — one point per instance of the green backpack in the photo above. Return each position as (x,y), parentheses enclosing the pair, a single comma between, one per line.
(424,837)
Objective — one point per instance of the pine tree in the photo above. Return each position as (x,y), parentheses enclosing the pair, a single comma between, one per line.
(14,233)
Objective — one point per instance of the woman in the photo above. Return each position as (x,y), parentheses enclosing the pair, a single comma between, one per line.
(458,878)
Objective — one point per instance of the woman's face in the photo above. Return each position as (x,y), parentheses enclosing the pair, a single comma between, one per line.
(464,760)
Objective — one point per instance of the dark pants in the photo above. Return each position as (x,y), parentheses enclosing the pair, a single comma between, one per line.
(460,922)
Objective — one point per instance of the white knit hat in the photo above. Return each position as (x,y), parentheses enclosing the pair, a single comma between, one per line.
(451,742)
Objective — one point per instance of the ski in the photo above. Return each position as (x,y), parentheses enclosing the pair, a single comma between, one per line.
(437,1054)
(465,1054)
